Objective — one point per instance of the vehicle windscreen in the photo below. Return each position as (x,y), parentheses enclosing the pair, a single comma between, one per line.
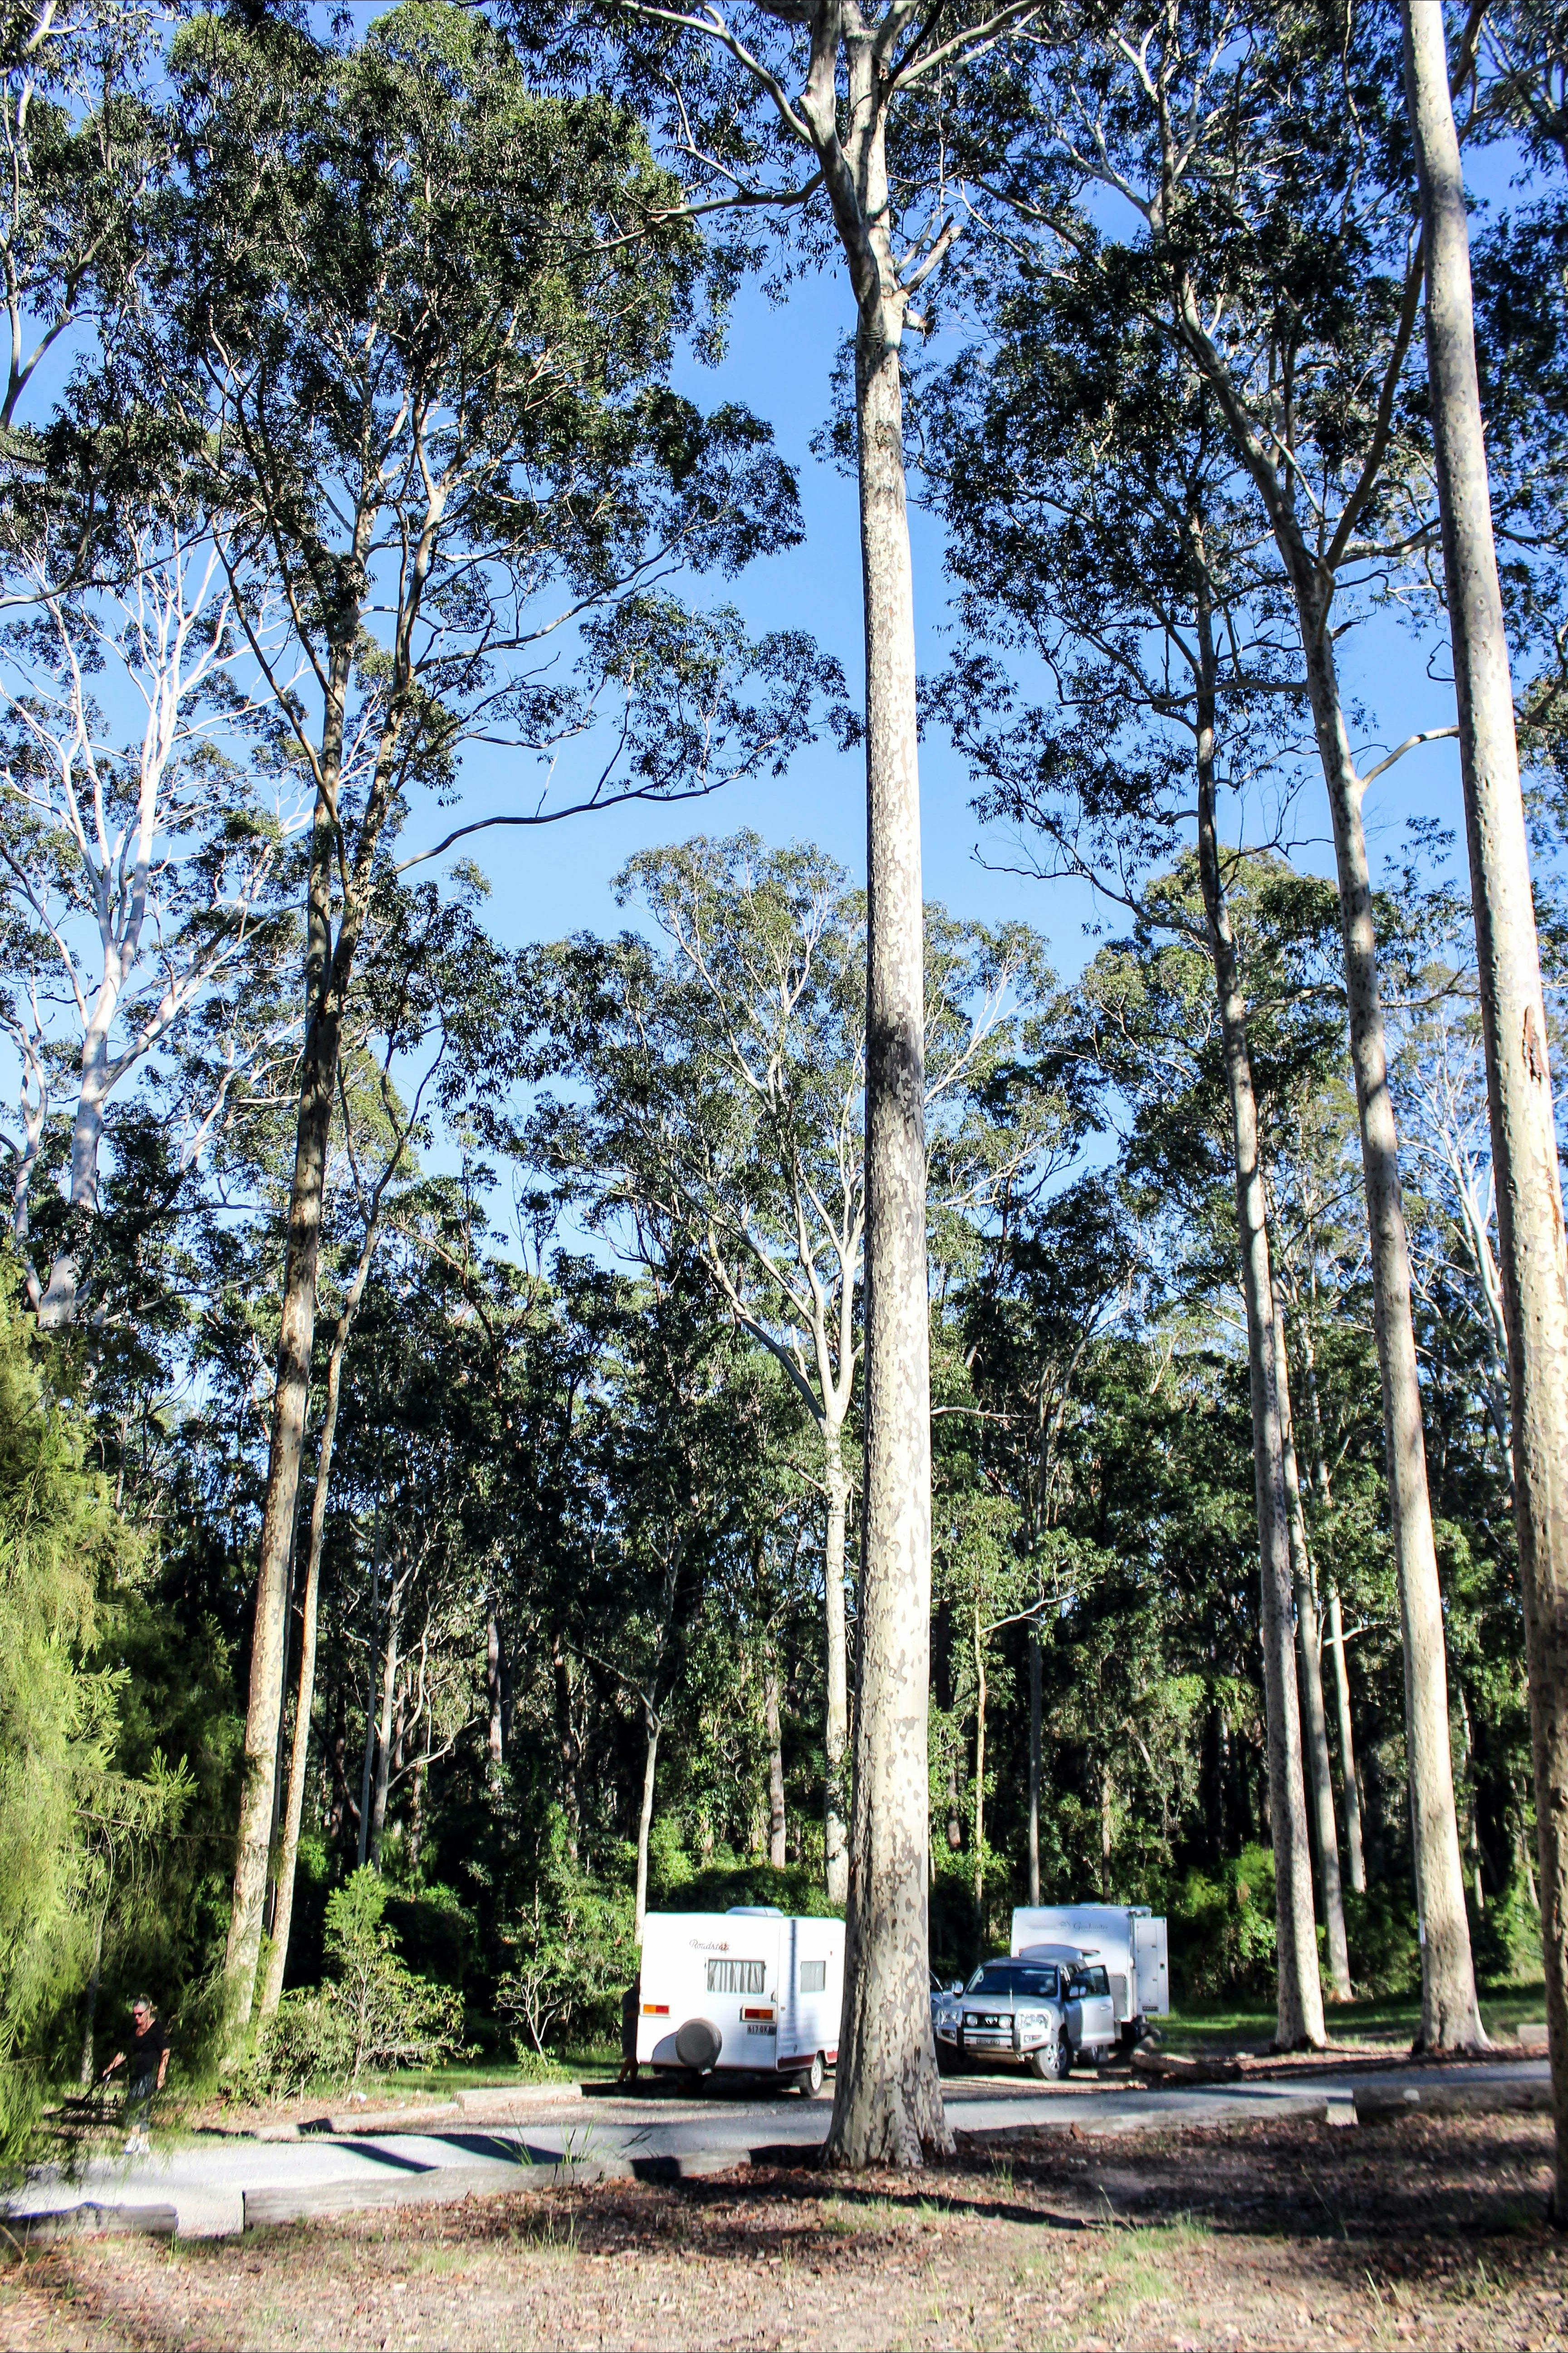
(1084,1983)
(1013,1976)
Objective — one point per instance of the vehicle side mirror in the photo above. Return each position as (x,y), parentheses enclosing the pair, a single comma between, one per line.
(957,1986)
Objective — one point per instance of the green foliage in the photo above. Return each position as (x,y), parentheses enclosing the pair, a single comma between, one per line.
(720,1879)
(1385,1953)
(389,2017)
(1222,1934)
(573,1955)
(538,2066)
(59,1541)
(435,1933)
(373,2013)
(1506,1938)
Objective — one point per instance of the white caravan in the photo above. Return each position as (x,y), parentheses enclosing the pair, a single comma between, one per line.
(746,1992)
(1124,1939)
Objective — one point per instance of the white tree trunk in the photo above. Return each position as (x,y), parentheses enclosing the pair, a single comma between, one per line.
(1298,1992)
(1309,1659)
(1355,1856)
(1450,2018)
(835,1729)
(495,1680)
(1513,1015)
(1355,1853)
(887,2105)
(374,1648)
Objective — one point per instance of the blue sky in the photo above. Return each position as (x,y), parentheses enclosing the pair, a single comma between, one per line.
(779,362)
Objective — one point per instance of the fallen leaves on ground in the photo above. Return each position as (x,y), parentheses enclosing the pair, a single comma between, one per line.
(1425,2231)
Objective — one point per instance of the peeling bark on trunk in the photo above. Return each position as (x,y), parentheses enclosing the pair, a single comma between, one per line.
(887,2105)
(1513,1017)
(1309,1659)
(1299,2006)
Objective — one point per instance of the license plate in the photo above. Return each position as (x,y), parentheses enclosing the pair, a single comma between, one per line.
(762,2029)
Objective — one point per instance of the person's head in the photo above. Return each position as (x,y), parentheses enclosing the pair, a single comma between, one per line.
(140,2013)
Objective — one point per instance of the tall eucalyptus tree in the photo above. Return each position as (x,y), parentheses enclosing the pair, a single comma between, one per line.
(1275,246)
(833,124)
(1088,480)
(426,375)
(1513,1011)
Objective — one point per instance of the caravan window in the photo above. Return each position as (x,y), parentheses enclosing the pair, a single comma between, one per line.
(736,1976)
(813,1976)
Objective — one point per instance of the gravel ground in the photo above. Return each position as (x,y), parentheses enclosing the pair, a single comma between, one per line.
(1425,2231)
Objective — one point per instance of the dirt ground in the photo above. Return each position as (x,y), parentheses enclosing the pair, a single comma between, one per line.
(1423,2231)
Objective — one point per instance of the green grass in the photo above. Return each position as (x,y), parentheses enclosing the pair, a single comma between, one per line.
(593,2059)
(1200,2032)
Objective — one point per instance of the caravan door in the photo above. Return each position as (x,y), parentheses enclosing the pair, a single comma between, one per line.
(740,1996)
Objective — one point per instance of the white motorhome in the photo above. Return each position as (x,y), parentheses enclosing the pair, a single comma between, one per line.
(747,1991)
(1124,1939)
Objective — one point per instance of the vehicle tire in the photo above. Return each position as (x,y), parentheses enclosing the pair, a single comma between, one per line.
(1063,2058)
(810,2080)
(698,2043)
(1042,2064)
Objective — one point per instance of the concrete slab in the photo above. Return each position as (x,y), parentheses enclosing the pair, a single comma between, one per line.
(209,2213)
(90,2221)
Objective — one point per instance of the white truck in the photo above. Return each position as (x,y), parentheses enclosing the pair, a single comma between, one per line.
(1124,1939)
(747,1991)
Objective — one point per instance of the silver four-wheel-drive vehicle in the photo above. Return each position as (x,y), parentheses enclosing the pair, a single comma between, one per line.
(1038,2014)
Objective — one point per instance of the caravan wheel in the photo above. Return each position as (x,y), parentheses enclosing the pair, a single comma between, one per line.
(810,2080)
